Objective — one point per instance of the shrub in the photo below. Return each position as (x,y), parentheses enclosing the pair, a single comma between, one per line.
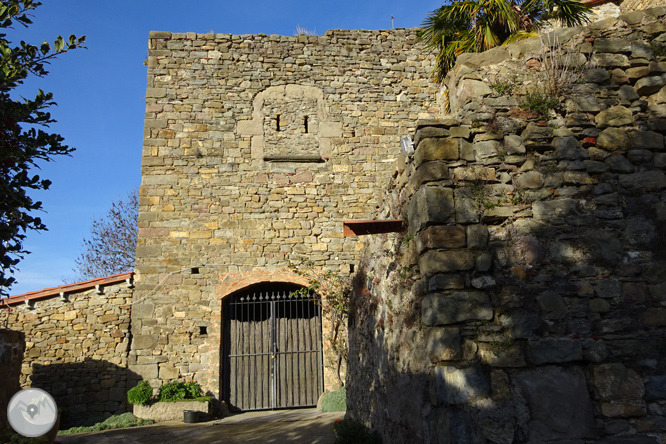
(140,394)
(540,102)
(334,401)
(348,431)
(177,391)
(114,422)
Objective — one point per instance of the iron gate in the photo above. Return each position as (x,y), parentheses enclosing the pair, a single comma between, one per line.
(273,349)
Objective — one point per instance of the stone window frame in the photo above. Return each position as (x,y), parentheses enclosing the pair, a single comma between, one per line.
(254,128)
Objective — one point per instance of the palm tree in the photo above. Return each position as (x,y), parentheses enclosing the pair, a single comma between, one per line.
(478,25)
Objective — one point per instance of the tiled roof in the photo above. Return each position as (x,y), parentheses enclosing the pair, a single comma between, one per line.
(68,288)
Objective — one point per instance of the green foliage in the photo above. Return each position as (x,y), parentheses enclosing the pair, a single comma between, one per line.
(502,88)
(540,102)
(140,394)
(114,422)
(658,50)
(179,390)
(22,142)
(349,431)
(335,401)
(478,25)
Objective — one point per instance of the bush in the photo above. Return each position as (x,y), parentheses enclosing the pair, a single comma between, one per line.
(114,422)
(334,401)
(177,391)
(540,102)
(140,394)
(348,431)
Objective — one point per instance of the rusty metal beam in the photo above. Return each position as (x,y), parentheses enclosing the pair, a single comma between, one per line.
(363,227)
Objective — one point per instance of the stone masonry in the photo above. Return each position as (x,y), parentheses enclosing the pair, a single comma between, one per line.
(525,302)
(76,348)
(256,149)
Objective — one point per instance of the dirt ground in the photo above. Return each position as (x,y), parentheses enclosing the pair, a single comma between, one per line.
(306,426)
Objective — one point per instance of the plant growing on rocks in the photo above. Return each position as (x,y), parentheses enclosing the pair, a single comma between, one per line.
(478,25)
(558,72)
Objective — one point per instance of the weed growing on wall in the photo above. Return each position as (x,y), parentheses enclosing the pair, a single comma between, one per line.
(559,71)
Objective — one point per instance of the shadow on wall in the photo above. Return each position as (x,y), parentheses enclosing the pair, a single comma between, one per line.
(12,347)
(87,391)
(559,337)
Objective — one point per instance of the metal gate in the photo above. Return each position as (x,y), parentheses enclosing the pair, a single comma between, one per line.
(273,350)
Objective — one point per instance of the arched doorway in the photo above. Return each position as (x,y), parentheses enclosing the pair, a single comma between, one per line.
(272,348)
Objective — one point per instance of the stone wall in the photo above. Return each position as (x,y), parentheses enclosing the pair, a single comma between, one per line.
(12,346)
(256,149)
(76,348)
(525,302)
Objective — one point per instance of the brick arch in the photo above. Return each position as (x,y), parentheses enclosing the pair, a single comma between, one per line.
(234,282)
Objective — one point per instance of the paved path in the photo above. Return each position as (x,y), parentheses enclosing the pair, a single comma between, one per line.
(307,426)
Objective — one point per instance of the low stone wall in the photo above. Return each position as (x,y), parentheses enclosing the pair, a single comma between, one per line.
(76,348)
(170,411)
(525,302)
(12,346)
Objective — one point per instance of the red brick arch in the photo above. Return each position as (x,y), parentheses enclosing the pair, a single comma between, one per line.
(232,282)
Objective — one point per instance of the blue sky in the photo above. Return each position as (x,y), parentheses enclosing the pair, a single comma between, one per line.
(100,93)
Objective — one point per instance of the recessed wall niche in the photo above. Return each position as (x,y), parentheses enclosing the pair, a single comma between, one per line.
(290,124)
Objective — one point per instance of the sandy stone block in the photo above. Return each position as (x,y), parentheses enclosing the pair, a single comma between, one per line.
(615,381)
(107,318)
(623,409)
(441,236)
(437,149)
(250,127)
(156,93)
(501,355)
(475,172)
(460,386)
(430,205)
(444,309)
(330,129)
(443,344)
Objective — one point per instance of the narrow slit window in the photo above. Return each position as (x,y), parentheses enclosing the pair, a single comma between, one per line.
(203,331)
(277,123)
(305,124)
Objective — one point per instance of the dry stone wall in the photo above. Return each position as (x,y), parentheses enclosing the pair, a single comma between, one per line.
(256,149)
(12,346)
(76,349)
(525,302)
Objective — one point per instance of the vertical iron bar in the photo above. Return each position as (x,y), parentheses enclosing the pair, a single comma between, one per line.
(254,351)
(274,350)
(290,377)
(309,355)
(246,347)
(261,332)
(233,347)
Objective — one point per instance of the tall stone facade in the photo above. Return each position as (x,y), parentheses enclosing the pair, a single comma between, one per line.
(76,340)
(525,302)
(256,149)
